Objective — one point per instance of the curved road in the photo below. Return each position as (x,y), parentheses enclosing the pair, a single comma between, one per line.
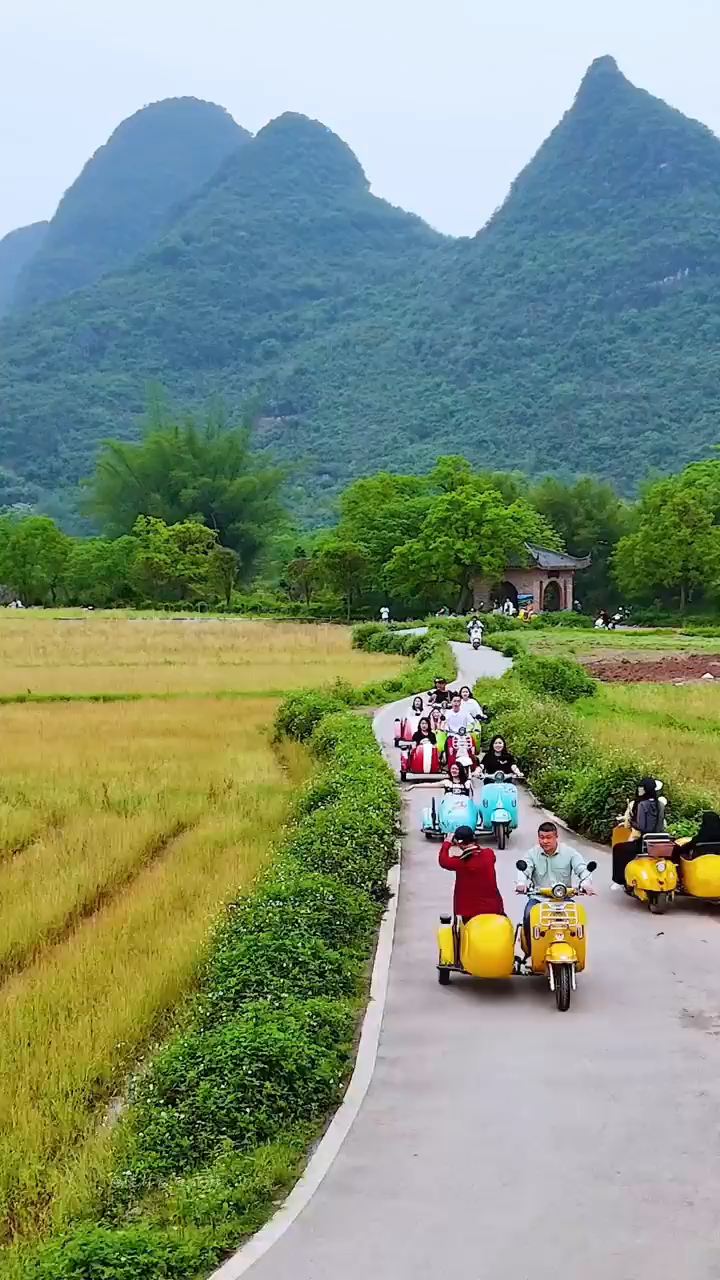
(501,1140)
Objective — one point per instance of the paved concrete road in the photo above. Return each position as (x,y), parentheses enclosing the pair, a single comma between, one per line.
(501,1140)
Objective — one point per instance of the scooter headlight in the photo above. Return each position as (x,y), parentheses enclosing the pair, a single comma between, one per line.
(662,866)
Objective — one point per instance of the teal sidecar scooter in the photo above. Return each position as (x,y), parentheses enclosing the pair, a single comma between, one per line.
(494,814)
(443,819)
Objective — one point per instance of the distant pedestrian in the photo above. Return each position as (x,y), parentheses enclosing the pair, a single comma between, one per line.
(384,614)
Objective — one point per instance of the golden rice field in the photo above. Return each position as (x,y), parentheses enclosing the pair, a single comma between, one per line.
(118,653)
(676,728)
(124,827)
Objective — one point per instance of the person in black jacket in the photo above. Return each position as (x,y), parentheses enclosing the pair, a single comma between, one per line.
(644,816)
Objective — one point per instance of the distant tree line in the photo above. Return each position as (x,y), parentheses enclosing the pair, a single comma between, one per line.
(192,515)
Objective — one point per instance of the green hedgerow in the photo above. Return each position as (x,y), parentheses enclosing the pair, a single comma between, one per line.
(130,1253)
(236,1086)
(555,677)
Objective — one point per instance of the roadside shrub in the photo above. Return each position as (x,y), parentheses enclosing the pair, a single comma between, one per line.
(576,621)
(279,964)
(585,786)
(301,711)
(555,677)
(349,839)
(601,792)
(510,646)
(318,905)
(553,788)
(129,1253)
(543,734)
(239,1085)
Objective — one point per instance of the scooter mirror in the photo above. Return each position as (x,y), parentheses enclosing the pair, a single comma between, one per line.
(521,864)
(592,866)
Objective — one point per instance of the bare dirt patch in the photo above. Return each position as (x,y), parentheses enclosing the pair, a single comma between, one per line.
(676,668)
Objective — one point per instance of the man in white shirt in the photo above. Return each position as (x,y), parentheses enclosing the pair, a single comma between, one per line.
(459,716)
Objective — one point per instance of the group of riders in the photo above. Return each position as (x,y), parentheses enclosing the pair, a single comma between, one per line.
(445,714)
(451,724)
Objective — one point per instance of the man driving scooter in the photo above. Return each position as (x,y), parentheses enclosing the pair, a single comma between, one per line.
(459,718)
(550,862)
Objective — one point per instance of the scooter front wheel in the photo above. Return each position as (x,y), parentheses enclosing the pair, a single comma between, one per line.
(563,987)
(658,903)
(444,977)
(501,834)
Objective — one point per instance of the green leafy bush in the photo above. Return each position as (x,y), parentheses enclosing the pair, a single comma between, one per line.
(543,734)
(564,619)
(320,906)
(300,712)
(555,677)
(585,786)
(129,1253)
(509,646)
(279,964)
(238,1085)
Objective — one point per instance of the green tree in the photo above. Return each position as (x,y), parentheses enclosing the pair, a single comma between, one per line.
(381,511)
(223,573)
(471,531)
(182,471)
(98,571)
(591,519)
(344,566)
(302,575)
(33,556)
(174,562)
(676,546)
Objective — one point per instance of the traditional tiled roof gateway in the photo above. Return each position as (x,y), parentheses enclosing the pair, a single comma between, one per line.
(545,559)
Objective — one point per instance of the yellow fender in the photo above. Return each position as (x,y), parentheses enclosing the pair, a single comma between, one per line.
(560,953)
(642,876)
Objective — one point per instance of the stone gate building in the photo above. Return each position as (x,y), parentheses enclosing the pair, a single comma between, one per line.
(547,583)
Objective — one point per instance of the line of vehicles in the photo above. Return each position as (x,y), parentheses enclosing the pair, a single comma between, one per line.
(441,743)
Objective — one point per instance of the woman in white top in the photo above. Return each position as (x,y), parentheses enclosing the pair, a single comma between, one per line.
(471,704)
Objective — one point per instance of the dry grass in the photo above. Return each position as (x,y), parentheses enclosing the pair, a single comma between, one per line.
(123,828)
(116,653)
(127,899)
(676,729)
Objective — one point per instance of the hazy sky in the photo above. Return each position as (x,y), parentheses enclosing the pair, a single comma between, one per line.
(443,101)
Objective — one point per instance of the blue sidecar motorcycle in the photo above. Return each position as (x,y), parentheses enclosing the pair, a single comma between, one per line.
(443,819)
(494,814)
(498,808)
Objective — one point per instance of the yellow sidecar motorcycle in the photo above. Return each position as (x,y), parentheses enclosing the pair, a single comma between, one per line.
(650,875)
(489,946)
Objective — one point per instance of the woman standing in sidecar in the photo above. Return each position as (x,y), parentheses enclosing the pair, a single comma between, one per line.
(406,725)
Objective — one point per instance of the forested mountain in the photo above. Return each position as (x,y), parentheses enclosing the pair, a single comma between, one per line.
(16,248)
(126,193)
(578,331)
(286,243)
